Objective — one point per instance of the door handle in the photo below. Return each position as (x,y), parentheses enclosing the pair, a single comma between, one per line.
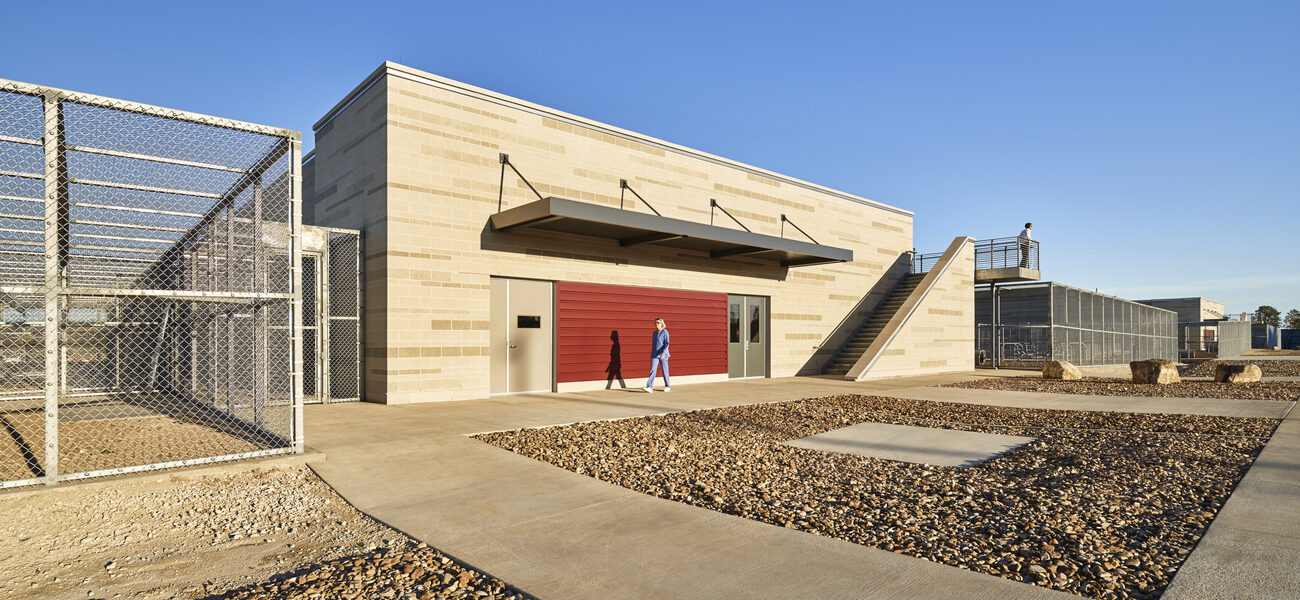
(513,346)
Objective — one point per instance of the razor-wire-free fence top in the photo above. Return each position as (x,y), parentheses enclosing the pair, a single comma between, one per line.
(149,263)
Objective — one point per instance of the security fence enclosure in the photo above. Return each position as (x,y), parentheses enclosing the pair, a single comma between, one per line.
(149,273)
(1040,322)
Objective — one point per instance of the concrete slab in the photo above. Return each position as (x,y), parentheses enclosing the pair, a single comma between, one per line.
(906,443)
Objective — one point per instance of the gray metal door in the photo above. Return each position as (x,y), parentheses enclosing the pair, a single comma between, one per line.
(522,336)
(747,319)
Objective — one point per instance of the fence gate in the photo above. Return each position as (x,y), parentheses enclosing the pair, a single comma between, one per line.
(331,298)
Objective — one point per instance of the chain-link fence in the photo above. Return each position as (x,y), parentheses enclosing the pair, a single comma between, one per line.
(147,273)
(1041,322)
(331,283)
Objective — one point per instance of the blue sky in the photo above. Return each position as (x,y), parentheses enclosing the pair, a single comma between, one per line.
(1155,145)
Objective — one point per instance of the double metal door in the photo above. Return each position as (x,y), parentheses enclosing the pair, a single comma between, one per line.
(523,336)
(747,320)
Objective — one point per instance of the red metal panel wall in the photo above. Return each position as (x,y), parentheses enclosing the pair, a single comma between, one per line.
(588,316)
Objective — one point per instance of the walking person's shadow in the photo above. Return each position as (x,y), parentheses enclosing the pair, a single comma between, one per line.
(615,368)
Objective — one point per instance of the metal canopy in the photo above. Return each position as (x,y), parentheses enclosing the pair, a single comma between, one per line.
(634,228)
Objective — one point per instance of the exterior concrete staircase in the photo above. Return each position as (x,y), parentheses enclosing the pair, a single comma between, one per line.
(848,355)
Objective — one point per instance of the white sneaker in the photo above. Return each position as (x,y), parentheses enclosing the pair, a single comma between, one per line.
(649,390)
(668,389)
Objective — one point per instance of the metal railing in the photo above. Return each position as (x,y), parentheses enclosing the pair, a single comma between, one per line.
(922,263)
(1006,253)
(148,287)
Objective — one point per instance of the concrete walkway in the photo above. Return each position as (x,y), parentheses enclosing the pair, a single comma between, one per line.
(1253,546)
(557,534)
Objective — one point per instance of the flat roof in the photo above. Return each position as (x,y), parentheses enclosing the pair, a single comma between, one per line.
(1202,298)
(632,228)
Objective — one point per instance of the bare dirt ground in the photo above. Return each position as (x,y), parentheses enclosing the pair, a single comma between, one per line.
(1105,505)
(266,533)
(96,444)
(1281,391)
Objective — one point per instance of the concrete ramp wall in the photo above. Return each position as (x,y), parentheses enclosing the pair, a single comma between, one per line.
(934,331)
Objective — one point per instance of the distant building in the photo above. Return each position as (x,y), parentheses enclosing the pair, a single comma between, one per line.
(1190,310)
(1195,340)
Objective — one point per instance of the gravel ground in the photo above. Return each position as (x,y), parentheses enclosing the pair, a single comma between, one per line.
(1271,368)
(278,533)
(1105,505)
(1263,352)
(415,572)
(1281,391)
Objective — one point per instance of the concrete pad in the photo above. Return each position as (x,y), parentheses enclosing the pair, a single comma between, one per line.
(906,443)
(1268,409)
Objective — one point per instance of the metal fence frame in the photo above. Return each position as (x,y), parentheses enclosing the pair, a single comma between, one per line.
(73,298)
(333,265)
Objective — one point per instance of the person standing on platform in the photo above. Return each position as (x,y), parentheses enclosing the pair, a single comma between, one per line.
(659,355)
(1025,242)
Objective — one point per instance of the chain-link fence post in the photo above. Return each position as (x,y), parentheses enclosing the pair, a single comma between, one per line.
(55,196)
(295,282)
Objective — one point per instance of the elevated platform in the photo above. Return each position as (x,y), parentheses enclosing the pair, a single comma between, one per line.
(1007,275)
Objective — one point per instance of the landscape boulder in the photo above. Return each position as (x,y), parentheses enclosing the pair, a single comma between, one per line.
(1157,370)
(1059,369)
(1237,373)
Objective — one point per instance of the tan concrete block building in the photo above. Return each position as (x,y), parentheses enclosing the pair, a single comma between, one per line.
(511,247)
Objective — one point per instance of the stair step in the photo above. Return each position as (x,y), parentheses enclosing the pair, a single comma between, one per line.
(852,351)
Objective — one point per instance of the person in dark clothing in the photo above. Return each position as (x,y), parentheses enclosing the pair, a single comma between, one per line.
(659,355)
(1024,240)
